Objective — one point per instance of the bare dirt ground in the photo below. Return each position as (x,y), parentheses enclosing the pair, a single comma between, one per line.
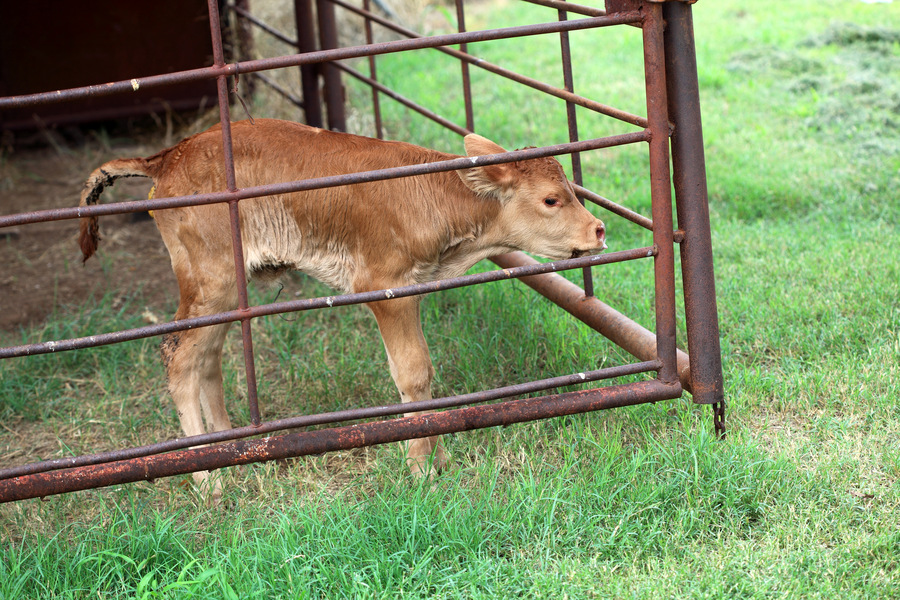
(41,272)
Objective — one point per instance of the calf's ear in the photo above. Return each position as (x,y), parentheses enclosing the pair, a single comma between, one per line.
(479,146)
(490,180)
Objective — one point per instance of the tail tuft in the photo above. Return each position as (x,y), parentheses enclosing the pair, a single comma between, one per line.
(100,179)
(89,238)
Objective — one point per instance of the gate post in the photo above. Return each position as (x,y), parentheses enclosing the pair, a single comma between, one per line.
(331,77)
(309,74)
(692,205)
(660,190)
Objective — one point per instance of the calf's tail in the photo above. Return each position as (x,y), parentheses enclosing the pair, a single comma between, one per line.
(100,179)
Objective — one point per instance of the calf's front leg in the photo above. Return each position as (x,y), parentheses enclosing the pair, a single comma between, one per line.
(410,364)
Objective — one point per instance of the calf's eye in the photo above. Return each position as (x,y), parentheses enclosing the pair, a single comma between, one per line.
(550,201)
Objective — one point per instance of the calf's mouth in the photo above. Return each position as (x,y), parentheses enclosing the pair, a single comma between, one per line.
(576,253)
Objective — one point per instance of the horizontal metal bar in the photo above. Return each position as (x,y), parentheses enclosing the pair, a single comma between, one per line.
(322,302)
(329,418)
(612,207)
(570,7)
(76,212)
(327,440)
(506,73)
(155,81)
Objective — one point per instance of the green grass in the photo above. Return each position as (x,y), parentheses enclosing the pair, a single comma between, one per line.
(802,130)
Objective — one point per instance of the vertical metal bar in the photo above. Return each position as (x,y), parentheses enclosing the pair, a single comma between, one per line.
(466,80)
(572,119)
(692,203)
(660,188)
(373,73)
(244,49)
(234,214)
(309,74)
(334,90)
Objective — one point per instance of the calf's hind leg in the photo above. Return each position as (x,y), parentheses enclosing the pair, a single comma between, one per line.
(410,364)
(193,357)
(193,361)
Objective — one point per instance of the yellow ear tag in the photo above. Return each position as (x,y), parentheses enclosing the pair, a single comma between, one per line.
(150,197)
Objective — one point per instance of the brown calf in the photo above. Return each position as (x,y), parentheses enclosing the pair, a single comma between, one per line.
(354,238)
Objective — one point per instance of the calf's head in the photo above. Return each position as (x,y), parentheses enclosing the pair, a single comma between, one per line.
(539,211)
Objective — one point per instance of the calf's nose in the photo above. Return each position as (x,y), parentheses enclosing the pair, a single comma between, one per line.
(601,236)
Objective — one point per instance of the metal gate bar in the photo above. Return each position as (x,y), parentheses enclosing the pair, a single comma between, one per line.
(563,94)
(664,48)
(315,57)
(307,443)
(373,74)
(689,169)
(76,212)
(660,190)
(572,122)
(263,310)
(237,245)
(353,414)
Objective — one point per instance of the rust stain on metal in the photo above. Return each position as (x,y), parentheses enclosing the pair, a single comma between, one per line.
(343,438)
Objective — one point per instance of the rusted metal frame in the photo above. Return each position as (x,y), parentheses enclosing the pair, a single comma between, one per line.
(234,213)
(331,77)
(692,204)
(321,302)
(618,209)
(571,116)
(587,11)
(464,65)
(373,74)
(669,390)
(380,87)
(371,80)
(245,15)
(313,57)
(306,443)
(328,418)
(660,189)
(604,109)
(309,71)
(75,212)
(619,329)
(572,122)
(444,122)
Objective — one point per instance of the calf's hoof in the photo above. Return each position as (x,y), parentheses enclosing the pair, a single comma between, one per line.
(426,457)
(210,486)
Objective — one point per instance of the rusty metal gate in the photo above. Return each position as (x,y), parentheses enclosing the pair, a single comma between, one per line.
(672,122)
